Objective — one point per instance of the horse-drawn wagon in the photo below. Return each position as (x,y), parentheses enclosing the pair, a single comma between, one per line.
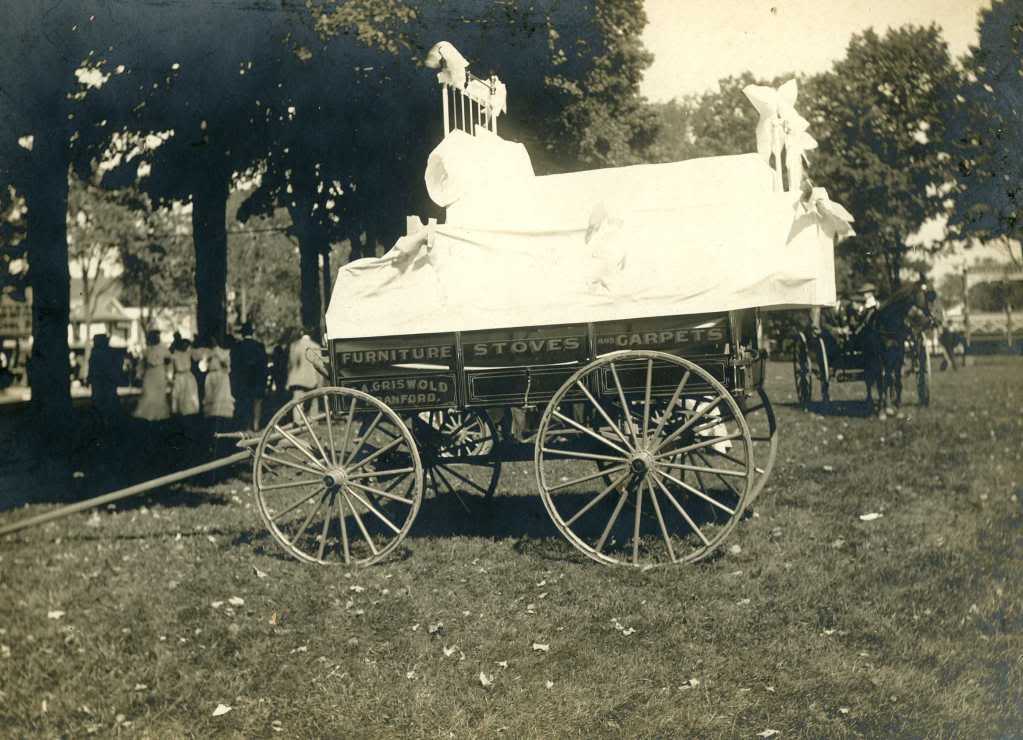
(617,310)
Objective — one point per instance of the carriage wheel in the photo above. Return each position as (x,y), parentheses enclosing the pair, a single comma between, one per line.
(457,449)
(802,372)
(337,487)
(763,427)
(668,499)
(923,374)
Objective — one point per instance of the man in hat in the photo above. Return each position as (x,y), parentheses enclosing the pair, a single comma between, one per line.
(250,379)
(866,307)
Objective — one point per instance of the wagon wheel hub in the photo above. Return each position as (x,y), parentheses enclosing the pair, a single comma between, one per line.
(641,463)
(335,477)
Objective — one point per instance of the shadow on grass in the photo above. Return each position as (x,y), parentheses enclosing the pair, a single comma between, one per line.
(521,519)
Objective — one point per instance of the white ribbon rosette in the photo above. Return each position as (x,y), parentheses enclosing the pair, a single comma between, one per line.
(780,127)
(836,219)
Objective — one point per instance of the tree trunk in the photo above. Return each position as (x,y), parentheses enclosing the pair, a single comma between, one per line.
(50,279)
(209,232)
(311,244)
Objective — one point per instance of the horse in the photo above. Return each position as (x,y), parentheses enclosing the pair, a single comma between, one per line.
(902,316)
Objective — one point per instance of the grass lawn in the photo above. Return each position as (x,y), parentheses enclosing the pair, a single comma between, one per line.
(142,620)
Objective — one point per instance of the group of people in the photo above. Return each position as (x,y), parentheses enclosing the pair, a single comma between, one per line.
(225,383)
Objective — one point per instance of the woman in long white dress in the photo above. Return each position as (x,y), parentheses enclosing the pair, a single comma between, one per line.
(218,403)
(184,389)
(153,404)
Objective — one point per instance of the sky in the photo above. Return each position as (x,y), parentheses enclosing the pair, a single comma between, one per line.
(695,43)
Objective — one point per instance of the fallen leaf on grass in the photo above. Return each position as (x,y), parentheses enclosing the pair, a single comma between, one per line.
(55,614)
(259,573)
(449,651)
(485,680)
(5,652)
(212,539)
(767,733)
(692,683)
(541,648)
(844,710)
(829,469)
(410,675)
(549,684)
(629,631)
(357,589)
(221,709)
(734,550)
(435,628)
(216,604)
(140,687)
(502,663)
(870,517)
(236,601)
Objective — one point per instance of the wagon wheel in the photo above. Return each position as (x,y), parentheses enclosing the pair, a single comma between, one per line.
(801,370)
(337,487)
(457,449)
(923,374)
(681,501)
(763,427)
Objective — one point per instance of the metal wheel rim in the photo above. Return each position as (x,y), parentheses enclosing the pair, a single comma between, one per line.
(661,443)
(340,501)
(766,452)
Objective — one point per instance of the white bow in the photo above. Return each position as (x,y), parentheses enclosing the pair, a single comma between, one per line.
(781,127)
(836,218)
(452,65)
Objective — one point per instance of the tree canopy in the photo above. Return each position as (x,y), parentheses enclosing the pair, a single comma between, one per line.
(988,131)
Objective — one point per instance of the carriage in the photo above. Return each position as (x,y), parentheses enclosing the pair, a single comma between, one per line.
(831,359)
(604,325)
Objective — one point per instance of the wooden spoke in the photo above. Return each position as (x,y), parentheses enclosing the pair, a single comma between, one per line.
(586,478)
(292,484)
(299,445)
(330,432)
(348,430)
(639,513)
(699,445)
(696,492)
(289,464)
(298,503)
(381,473)
(583,455)
(611,522)
(689,423)
(625,407)
(380,451)
(646,417)
(345,550)
(365,436)
(721,475)
(362,527)
(589,432)
(373,510)
(381,493)
(671,406)
(312,514)
(326,526)
(597,499)
(682,511)
(660,521)
(698,469)
(600,410)
(309,428)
